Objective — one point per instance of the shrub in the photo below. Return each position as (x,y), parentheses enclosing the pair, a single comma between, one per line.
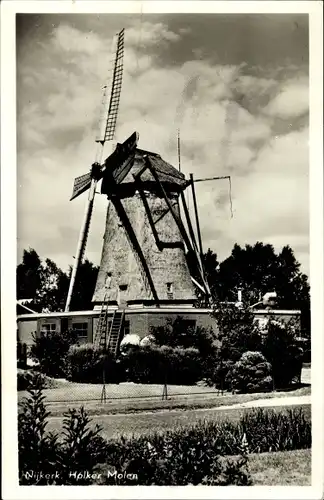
(50,351)
(281,350)
(215,370)
(37,450)
(26,379)
(269,430)
(237,331)
(85,363)
(43,458)
(252,373)
(157,365)
(176,333)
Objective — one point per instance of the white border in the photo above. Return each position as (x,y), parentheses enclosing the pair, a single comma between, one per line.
(11,490)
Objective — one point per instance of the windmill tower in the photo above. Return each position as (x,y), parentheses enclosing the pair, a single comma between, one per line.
(143,254)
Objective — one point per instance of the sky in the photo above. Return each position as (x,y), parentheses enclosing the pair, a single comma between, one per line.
(236,86)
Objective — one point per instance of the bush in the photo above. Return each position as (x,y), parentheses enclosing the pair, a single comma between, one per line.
(281,350)
(215,370)
(50,351)
(237,331)
(37,450)
(176,333)
(157,365)
(43,459)
(269,430)
(85,363)
(26,379)
(252,373)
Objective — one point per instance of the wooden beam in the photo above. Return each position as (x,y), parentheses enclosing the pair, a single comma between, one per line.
(191,231)
(187,216)
(138,185)
(196,215)
(179,223)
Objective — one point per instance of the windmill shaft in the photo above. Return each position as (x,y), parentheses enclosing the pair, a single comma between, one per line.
(82,241)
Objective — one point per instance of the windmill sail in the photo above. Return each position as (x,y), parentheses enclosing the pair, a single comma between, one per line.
(81,184)
(111,97)
(107,126)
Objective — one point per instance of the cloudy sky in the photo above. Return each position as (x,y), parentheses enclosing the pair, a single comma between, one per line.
(235,85)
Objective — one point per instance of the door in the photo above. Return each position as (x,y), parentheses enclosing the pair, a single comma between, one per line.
(122,297)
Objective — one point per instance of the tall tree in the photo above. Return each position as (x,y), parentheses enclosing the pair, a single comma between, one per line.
(252,269)
(47,284)
(54,287)
(258,269)
(84,286)
(29,275)
(211,266)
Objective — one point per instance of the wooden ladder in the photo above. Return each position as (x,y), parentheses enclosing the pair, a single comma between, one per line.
(102,325)
(115,332)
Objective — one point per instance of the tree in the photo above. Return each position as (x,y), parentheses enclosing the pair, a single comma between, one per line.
(211,266)
(258,269)
(50,350)
(84,286)
(252,373)
(47,284)
(29,275)
(281,350)
(238,332)
(54,287)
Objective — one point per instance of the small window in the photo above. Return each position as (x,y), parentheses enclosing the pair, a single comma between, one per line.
(81,329)
(48,327)
(169,290)
(123,288)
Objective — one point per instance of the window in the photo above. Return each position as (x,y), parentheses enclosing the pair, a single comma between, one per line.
(169,290)
(81,329)
(48,327)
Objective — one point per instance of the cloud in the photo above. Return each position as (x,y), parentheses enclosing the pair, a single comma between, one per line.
(222,133)
(291,101)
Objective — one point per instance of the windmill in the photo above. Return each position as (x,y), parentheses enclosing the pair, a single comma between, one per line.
(106,132)
(146,241)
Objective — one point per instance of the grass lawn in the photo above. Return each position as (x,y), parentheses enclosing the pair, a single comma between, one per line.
(144,423)
(282,468)
(129,397)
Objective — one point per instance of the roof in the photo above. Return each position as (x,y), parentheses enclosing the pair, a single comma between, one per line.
(166,172)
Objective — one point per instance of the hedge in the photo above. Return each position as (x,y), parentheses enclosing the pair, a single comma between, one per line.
(157,365)
(87,362)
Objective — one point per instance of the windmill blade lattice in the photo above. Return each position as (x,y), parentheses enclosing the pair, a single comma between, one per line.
(108,119)
(107,125)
